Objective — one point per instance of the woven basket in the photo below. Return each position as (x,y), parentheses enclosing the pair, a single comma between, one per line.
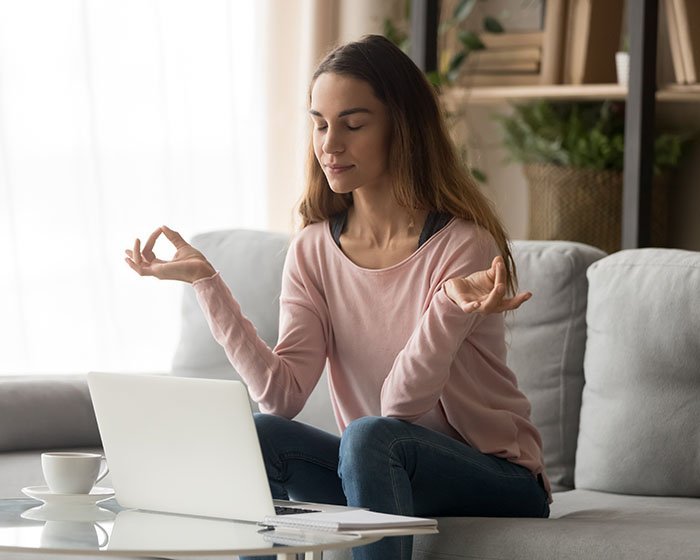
(585,205)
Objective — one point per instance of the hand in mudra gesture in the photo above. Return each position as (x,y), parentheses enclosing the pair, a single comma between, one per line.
(484,291)
(187,265)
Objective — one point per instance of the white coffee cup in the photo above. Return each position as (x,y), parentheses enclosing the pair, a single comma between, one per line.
(73,534)
(72,473)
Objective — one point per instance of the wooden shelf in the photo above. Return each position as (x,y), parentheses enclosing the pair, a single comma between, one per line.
(679,93)
(587,92)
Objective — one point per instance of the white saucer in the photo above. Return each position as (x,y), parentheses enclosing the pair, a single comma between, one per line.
(47,512)
(43,494)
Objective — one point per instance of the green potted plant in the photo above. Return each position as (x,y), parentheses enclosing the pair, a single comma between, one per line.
(573,159)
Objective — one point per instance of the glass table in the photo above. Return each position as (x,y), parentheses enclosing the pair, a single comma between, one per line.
(108,529)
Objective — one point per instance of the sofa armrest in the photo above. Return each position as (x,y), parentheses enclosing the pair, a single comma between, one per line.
(46,413)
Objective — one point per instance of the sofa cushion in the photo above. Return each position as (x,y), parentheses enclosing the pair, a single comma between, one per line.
(46,413)
(547,337)
(583,525)
(250,262)
(640,417)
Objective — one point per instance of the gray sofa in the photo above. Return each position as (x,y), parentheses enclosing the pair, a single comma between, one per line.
(607,350)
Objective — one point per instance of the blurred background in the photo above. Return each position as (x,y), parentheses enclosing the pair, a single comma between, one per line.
(117,116)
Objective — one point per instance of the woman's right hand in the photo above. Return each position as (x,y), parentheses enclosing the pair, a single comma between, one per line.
(187,265)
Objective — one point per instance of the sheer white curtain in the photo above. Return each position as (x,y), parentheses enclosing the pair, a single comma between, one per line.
(117,116)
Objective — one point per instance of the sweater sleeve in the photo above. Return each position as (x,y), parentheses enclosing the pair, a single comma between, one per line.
(279,380)
(422,368)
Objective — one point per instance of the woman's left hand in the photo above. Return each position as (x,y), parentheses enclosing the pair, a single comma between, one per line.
(484,291)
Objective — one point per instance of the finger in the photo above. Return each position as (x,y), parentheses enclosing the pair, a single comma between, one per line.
(174,237)
(491,272)
(150,243)
(470,306)
(142,271)
(515,302)
(494,299)
(153,261)
(500,272)
(136,256)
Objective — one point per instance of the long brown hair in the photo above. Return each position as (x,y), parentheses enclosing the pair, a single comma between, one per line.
(426,171)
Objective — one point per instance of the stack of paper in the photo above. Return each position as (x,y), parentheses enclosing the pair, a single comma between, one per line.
(352,520)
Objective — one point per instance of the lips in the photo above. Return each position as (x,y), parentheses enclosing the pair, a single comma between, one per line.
(335,169)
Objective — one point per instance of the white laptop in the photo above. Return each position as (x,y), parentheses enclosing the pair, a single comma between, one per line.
(183,445)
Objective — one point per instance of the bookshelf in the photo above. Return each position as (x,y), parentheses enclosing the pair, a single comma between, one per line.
(564,92)
(641,97)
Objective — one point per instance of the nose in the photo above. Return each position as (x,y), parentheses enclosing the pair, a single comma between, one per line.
(332,142)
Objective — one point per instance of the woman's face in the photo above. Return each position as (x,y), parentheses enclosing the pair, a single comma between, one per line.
(351,133)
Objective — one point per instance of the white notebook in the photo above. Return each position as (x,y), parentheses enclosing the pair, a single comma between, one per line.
(354,520)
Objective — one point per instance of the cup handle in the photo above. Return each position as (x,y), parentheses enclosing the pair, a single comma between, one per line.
(105,472)
(103,535)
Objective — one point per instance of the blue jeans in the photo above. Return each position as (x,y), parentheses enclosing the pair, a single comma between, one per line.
(393,466)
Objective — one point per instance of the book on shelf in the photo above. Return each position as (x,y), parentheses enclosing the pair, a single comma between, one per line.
(687,14)
(671,30)
(504,61)
(593,37)
(352,520)
(489,57)
(498,80)
(552,63)
(525,66)
(511,39)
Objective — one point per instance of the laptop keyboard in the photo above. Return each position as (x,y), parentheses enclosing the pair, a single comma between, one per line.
(286,510)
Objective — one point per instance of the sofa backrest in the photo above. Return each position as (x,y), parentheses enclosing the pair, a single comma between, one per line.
(250,263)
(46,413)
(547,338)
(547,335)
(640,417)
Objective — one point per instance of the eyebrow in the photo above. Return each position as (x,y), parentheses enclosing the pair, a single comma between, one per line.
(344,113)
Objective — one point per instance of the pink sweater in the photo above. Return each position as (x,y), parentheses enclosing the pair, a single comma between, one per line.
(396,344)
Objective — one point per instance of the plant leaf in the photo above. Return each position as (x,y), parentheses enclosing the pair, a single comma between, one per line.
(479,175)
(585,135)
(435,78)
(455,64)
(492,25)
(463,9)
(471,40)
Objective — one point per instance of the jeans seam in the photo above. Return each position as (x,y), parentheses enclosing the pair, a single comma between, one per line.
(393,483)
(274,460)
(279,459)
(457,455)
(286,455)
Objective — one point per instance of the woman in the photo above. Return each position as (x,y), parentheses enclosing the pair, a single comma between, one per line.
(399,278)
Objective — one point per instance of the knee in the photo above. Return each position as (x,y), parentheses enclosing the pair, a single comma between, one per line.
(366,437)
(266,424)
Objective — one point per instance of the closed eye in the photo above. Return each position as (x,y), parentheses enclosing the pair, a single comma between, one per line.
(325,126)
